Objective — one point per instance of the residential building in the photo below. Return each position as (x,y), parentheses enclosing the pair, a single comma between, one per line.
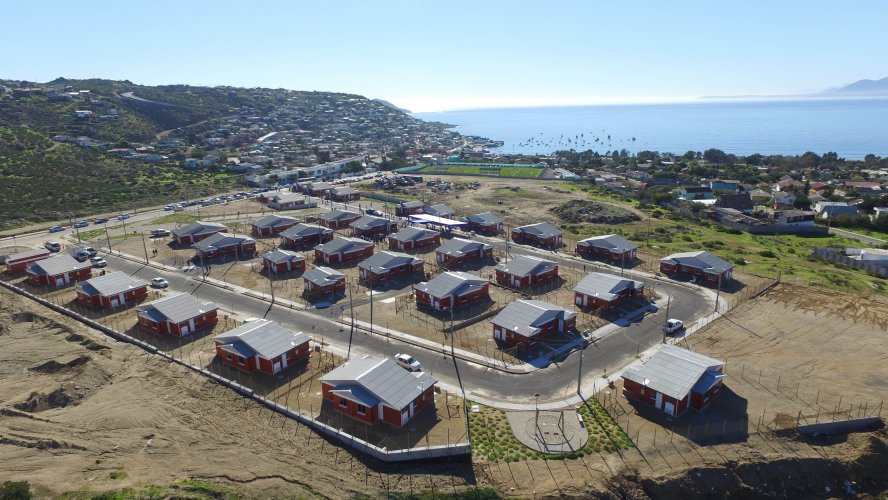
(338,219)
(406,208)
(344,194)
(524,323)
(111,290)
(261,345)
(414,238)
(178,314)
(795,217)
(674,379)
(196,231)
(289,201)
(525,271)
(609,246)
(323,281)
(448,289)
(541,234)
(692,193)
(702,266)
(458,251)
(440,210)
(600,290)
(221,245)
(305,235)
(342,250)
(272,225)
(18,262)
(384,265)
(283,261)
(58,271)
(374,389)
(740,202)
(485,223)
(372,227)
(830,209)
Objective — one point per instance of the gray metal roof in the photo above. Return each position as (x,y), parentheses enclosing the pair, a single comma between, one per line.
(339,215)
(540,229)
(605,286)
(283,199)
(28,254)
(198,227)
(411,233)
(484,218)
(57,265)
(274,220)
(339,191)
(279,255)
(320,186)
(303,230)
(412,204)
(342,244)
(699,260)
(263,337)
(323,276)
(176,308)
(110,284)
(458,247)
(673,371)
(370,222)
(525,265)
(385,260)
(525,317)
(221,240)
(612,242)
(451,283)
(441,210)
(382,378)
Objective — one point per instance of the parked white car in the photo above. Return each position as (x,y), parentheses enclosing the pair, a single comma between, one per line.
(407,362)
(52,246)
(673,326)
(159,282)
(98,262)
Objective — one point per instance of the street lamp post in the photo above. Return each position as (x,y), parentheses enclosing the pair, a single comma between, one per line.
(536,405)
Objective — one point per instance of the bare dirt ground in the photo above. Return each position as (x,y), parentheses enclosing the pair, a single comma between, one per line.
(77,407)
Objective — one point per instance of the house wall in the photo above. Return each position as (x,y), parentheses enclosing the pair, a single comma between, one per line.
(384,276)
(350,408)
(235,361)
(592,251)
(70,278)
(399,210)
(374,231)
(245,249)
(272,230)
(404,246)
(648,396)
(465,258)
(20,266)
(314,289)
(392,416)
(205,320)
(284,267)
(532,239)
(302,242)
(489,229)
(506,279)
(188,239)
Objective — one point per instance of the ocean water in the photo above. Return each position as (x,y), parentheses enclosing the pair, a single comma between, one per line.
(852,128)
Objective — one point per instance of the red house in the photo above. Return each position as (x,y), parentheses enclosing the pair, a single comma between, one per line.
(458,251)
(18,262)
(341,250)
(344,194)
(58,271)
(384,265)
(323,281)
(702,266)
(451,288)
(372,227)
(318,189)
(272,225)
(485,223)
(610,247)
(178,314)
(283,261)
(372,389)
(196,231)
(524,323)
(111,290)
(338,219)
(599,290)
(674,379)
(541,234)
(406,208)
(305,235)
(414,238)
(220,245)
(261,345)
(524,271)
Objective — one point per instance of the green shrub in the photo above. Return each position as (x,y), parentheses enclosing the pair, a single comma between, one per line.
(15,490)
(767,253)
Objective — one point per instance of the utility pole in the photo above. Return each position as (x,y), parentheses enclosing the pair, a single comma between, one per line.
(718,291)
(370,282)
(580,370)
(108,238)
(668,301)
(144,246)
(351,334)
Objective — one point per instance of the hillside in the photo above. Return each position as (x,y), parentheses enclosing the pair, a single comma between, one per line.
(864,88)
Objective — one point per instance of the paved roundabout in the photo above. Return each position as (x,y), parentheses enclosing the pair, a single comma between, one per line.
(553,432)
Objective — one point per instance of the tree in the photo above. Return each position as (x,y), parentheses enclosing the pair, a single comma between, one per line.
(871,160)
(716,156)
(15,490)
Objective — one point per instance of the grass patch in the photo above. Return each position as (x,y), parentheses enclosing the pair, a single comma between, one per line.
(485,171)
(118,474)
(167,219)
(192,489)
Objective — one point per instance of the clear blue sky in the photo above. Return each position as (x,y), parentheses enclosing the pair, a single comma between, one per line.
(429,56)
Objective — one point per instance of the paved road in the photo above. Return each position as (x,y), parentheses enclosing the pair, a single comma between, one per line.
(554,382)
(869,240)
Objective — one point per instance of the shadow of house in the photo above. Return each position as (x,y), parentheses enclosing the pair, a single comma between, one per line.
(725,420)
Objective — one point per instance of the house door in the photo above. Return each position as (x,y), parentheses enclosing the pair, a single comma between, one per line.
(115,302)
(184,330)
(658,401)
(276,367)
(60,281)
(498,334)
(404,416)
(669,409)
(516,281)
(578,300)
